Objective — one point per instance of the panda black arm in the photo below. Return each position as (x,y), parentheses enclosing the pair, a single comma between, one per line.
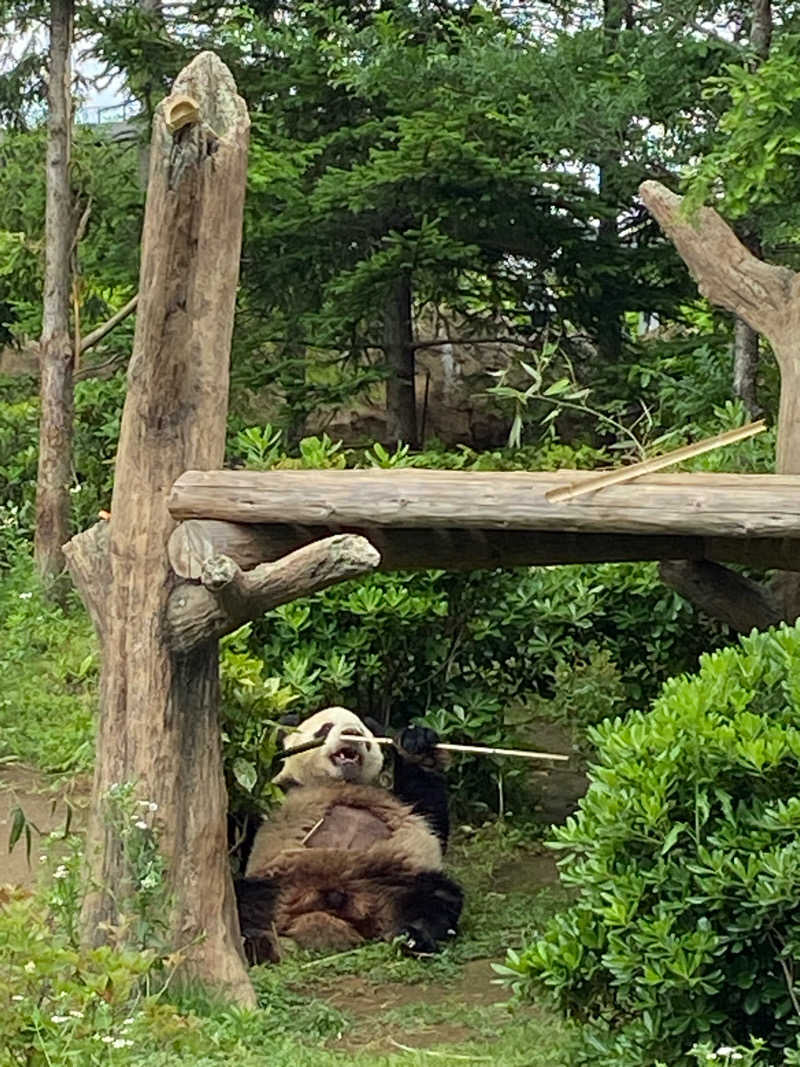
(419,778)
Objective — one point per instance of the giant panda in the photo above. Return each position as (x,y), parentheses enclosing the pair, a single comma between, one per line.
(343,860)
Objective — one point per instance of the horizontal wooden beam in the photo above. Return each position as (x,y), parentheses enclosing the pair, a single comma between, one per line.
(196,540)
(693,505)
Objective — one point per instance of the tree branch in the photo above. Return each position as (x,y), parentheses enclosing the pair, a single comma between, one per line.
(229,597)
(725,271)
(723,594)
(100,332)
(502,340)
(88,562)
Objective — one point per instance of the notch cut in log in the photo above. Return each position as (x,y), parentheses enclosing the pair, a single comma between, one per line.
(704,505)
(402,549)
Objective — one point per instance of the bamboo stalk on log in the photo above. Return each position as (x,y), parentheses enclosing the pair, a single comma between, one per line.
(656,463)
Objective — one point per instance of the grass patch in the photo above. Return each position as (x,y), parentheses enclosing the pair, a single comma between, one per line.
(50,667)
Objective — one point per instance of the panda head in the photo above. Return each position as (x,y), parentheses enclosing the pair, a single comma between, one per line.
(337,759)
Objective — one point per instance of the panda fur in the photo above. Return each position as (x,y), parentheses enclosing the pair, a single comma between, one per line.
(344,861)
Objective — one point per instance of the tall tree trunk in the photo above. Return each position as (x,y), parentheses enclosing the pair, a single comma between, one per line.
(745,367)
(616,13)
(398,350)
(761,28)
(56,355)
(745,339)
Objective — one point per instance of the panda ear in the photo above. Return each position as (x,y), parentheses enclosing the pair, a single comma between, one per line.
(372,725)
(288,722)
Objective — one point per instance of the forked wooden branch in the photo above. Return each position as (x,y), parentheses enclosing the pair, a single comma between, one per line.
(725,271)
(229,596)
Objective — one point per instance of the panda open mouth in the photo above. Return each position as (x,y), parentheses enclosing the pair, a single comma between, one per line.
(347,756)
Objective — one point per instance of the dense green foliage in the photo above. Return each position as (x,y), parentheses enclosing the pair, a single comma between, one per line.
(685,858)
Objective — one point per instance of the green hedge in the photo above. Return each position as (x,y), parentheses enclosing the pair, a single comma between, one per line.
(685,856)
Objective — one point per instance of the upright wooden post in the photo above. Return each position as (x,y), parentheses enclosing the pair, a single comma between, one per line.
(158,718)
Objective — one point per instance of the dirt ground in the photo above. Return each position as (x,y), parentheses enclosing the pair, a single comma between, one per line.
(45,809)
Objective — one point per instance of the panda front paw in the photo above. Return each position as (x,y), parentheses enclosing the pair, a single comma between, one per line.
(415,941)
(418,743)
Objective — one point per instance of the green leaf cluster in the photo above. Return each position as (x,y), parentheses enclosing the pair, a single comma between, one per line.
(685,856)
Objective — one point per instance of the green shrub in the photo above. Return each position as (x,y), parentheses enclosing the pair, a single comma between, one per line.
(686,858)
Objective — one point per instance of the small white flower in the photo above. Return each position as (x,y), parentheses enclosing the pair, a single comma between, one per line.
(30,967)
(25,596)
(129,1021)
(726,1050)
(121,1042)
(736,1056)
(140,824)
(107,1039)
(59,1018)
(149,804)
(18,996)
(76,1014)
(60,871)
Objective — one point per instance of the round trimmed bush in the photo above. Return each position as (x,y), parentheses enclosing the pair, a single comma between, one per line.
(685,855)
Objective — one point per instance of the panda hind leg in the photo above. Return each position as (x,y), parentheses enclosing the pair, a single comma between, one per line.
(428,912)
(255,904)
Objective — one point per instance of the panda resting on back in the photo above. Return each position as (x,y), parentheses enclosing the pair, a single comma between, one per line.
(343,860)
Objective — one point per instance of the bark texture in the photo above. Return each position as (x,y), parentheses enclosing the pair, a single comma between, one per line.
(745,367)
(724,594)
(55,351)
(158,722)
(398,349)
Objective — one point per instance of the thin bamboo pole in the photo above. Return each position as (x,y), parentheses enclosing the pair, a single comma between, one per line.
(657,463)
(480,750)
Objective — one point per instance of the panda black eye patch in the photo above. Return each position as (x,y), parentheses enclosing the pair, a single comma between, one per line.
(324,730)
